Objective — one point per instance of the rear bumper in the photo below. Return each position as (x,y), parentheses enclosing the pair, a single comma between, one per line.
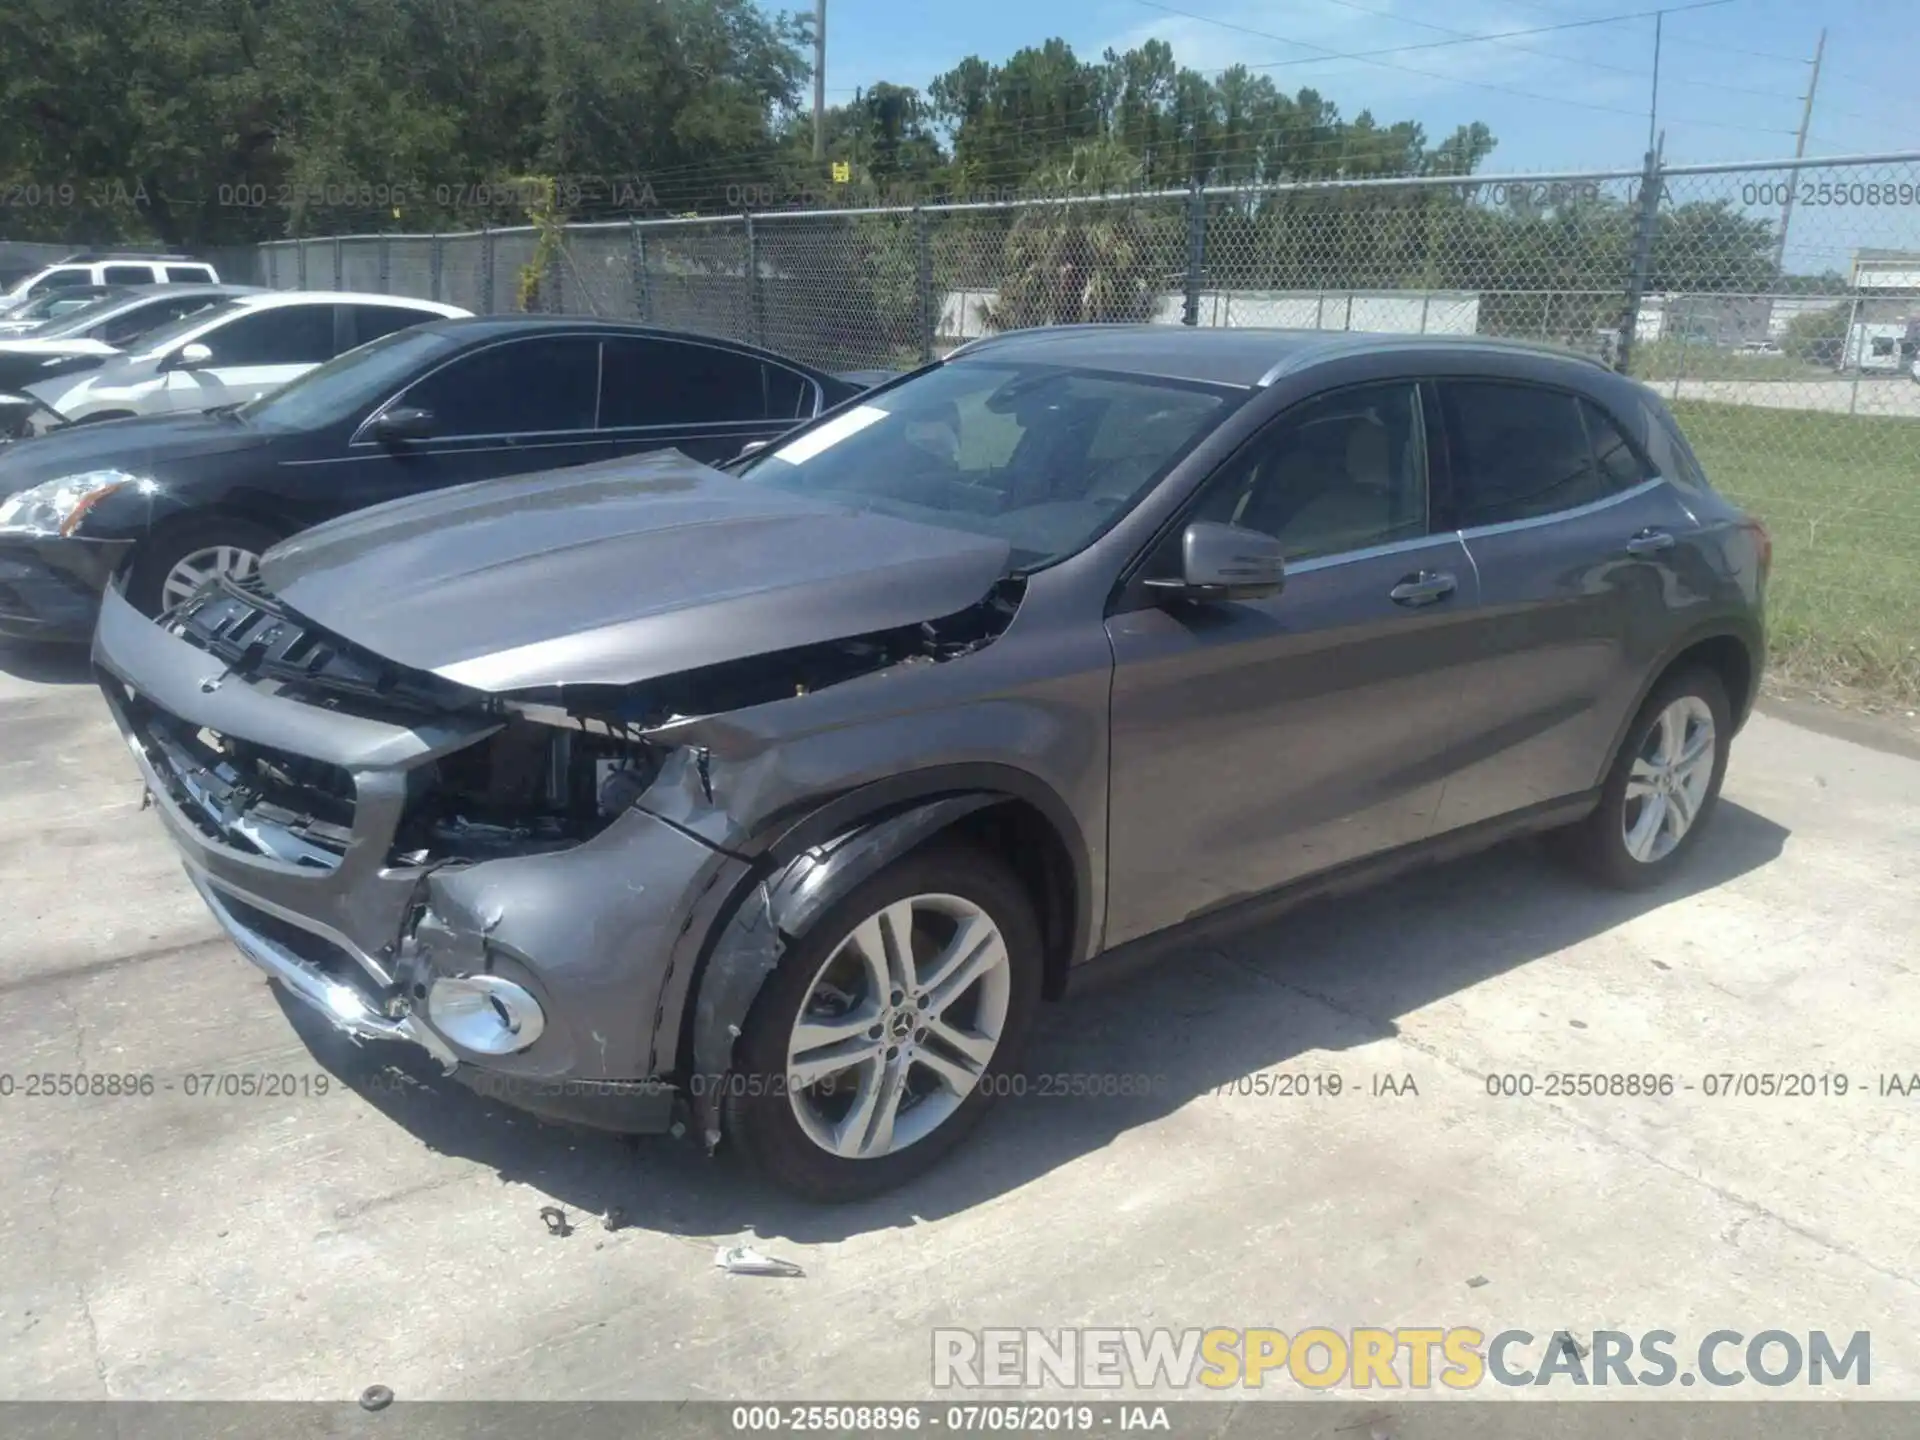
(588,932)
(50,588)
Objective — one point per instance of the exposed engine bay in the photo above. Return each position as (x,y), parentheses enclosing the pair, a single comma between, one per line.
(561,765)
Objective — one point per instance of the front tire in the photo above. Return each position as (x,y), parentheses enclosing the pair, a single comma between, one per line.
(887,1029)
(1663,787)
(170,566)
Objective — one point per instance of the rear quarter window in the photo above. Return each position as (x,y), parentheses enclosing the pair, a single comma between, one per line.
(1669,451)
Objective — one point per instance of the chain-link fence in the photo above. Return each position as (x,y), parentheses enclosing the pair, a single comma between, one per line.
(1775,306)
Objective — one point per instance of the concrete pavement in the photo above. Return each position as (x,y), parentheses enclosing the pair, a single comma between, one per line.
(304,1246)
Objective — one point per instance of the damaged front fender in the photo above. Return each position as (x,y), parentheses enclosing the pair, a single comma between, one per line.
(780,908)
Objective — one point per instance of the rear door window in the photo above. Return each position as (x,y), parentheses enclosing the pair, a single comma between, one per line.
(127,274)
(1519,452)
(190,274)
(1621,466)
(670,382)
(283,335)
(370,322)
(520,387)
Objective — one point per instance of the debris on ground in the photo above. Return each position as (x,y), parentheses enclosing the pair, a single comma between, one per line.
(1474,1282)
(615,1218)
(745,1260)
(556,1220)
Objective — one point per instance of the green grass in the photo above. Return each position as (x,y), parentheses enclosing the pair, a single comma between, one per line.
(1841,497)
(1671,359)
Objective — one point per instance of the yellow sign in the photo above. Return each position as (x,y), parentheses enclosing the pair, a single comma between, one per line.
(842,172)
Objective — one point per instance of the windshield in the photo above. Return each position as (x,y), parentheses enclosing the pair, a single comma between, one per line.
(1043,457)
(348,383)
(73,321)
(155,341)
(60,304)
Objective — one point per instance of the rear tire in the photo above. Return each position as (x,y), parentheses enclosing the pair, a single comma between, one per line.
(164,564)
(830,1128)
(1663,787)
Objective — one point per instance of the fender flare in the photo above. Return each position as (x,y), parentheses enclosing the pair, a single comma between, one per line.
(781,904)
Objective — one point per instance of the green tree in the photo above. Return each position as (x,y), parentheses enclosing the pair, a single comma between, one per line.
(1818,337)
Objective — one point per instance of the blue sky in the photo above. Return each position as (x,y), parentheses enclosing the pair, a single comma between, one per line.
(1731,76)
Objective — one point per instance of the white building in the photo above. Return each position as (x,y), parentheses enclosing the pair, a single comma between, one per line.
(963,313)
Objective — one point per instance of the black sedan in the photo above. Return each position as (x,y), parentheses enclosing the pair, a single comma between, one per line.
(177,499)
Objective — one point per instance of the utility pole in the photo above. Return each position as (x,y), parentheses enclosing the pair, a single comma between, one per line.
(819,81)
(1653,99)
(1799,150)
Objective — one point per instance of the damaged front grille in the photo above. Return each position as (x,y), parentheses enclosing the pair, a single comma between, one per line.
(254,797)
(241,623)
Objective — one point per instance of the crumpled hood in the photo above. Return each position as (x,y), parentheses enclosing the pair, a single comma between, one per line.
(147,445)
(618,572)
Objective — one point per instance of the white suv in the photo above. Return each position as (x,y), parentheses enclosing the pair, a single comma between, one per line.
(232,352)
(88,269)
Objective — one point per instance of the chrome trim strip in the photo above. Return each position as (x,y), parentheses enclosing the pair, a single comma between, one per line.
(1372,552)
(343,1006)
(1594,507)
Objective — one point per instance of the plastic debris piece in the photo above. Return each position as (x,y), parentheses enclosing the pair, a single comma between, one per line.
(745,1260)
(1474,1282)
(376,1397)
(556,1220)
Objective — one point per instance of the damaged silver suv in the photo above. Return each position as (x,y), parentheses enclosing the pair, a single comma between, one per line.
(786,795)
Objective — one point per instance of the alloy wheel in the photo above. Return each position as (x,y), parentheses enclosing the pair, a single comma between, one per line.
(898,1026)
(1669,780)
(193,570)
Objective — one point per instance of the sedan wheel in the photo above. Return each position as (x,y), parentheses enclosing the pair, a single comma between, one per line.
(192,571)
(888,1027)
(899,1025)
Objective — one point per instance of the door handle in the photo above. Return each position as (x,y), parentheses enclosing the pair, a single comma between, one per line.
(1423,588)
(1650,542)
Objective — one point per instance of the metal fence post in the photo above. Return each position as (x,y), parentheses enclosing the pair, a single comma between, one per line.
(1646,219)
(436,265)
(300,263)
(1196,252)
(923,281)
(385,254)
(553,283)
(486,268)
(339,259)
(637,260)
(752,279)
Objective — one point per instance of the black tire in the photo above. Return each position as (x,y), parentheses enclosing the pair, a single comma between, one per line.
(1598,844)
(758,1116)
(156,556)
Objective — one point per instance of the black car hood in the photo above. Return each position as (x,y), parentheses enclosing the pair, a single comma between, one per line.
(619,572)
(148,445)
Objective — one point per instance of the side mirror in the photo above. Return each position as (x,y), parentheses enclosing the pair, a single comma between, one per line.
(752,447)
(191,357)
(1225,562)
(404,422)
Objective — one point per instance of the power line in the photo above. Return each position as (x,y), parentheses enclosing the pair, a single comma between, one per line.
(1369,57)
(1463,37)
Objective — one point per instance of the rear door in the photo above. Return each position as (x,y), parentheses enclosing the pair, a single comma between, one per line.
(256,351)
(707,401)
(510,408)
(1581,552)
(1259,742)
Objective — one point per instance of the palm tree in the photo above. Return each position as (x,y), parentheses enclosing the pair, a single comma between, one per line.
(1088,256)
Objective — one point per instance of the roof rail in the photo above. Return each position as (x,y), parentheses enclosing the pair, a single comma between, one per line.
(92,257)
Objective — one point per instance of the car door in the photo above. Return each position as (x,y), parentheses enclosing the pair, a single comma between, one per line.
(509,408)
(705,400)
(1258,742)
(1580,550)
(258,350)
